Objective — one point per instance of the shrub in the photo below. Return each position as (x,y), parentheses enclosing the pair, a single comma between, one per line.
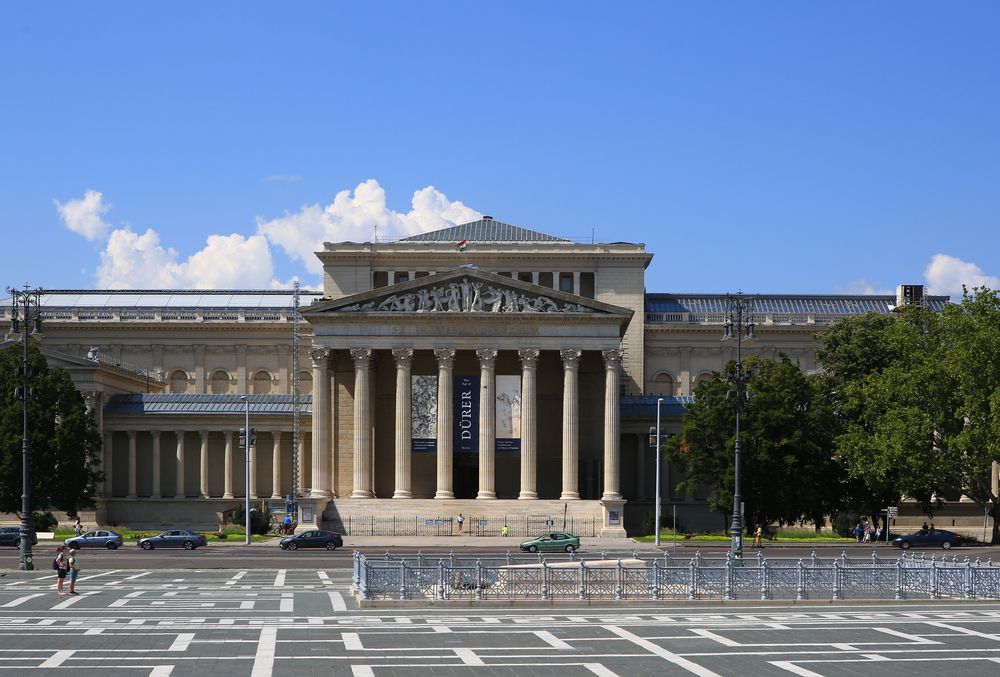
(43,521)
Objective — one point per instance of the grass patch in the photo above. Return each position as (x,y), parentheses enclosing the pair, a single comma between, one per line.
(785,535)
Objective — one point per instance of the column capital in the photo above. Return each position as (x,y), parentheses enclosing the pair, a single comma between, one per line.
(362,357)
(529,357)
(612,358)
(276,434)
(403,357)
(445,357)
(154,433)
(487,357)
(570,357)
(319,357)
(131,435)
(204,434)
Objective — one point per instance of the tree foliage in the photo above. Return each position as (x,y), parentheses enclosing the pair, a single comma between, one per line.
(64,441)
(787,471)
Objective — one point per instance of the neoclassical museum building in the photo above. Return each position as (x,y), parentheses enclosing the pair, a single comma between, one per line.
(483,369)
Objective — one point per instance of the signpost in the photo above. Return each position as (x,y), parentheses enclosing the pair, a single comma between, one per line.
(891,512)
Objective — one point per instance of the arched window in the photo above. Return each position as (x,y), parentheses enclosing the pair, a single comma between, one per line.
(178,381)
(262,382)
(703,377)
(305,383)
(220,382)
(663,384)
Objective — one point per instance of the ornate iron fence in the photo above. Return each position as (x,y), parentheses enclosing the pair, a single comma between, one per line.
(518,526)
(534,577)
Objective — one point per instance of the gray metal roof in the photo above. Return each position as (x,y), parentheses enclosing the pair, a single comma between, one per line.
(170,298)
(165,403)
(784,303)
(484,230)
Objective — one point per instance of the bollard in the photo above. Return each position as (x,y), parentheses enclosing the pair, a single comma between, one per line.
(420,558)
(583,580)
(387,555)
(727,587)
(355,581)
(402,579)
(604,555)
(899,581)
(656,580)
(545,579)
(760,558)
(836,580)
(800,593)
(440,579)
(693,584)
(763,581)
(479,579)
(969,592)
(933,580)
(508,558)
(618,582)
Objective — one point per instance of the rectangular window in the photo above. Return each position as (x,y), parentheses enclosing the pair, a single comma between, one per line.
(524,277)
(566,282)
(587,285)
(402,277)
(380,278)
(545,280)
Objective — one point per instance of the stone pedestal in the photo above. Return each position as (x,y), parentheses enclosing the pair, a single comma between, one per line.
(310,513)
(613,512)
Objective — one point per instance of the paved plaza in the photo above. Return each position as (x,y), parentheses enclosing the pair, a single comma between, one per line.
(304,622)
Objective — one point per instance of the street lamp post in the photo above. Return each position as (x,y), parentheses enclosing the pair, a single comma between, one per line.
(659,403)
(739,321)
(248,440)
(25,310)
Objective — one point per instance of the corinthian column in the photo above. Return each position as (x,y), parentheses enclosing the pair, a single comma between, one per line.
(320,422)
(133,471)
(612,453)
(362,424)
(571,425)
(404,360)
(529,432)
(109,447)
(487,423)
(228,466)
(446,362)
(156,463)
(203,474)
(276,464)
(179,493)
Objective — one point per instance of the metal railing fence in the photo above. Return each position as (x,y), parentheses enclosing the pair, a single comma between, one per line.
(536,577)
(518,526)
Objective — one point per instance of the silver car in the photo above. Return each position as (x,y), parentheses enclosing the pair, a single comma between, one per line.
(175,538)
(98,538)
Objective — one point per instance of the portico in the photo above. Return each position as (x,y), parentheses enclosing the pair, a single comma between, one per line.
(467,385)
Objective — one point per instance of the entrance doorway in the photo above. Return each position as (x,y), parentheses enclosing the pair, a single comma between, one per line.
(465,479)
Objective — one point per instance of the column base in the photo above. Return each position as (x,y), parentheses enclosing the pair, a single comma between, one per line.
(569,496)
(318,493)
(228,494)
(444,494)
(614,520)
(528,496)
(156,496)
(361,493)
(486,496)
(275,497)
(131,496)
(403,494)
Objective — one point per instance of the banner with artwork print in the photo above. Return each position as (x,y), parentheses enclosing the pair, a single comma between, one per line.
(423,413)
(508,413)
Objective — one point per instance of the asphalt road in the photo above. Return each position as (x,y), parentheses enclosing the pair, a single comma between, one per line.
(269,556)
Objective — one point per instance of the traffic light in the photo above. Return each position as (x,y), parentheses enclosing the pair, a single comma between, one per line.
(243,437)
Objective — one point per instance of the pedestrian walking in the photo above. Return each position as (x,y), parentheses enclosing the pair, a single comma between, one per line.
(505,531)
(461,521)
(74,572)
(758,538)
(60,566)
(867,532)
(857,532)
(78,528)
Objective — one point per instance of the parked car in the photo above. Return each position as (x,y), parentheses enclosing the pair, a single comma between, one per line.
(937,537)
(312,539)
(12,536)
(98,538)
(175,538)
(555,542)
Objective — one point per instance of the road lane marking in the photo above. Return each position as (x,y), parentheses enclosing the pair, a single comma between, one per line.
(263,661)
(337,601)
(362,671)
(56,659)
(352,641)
(129,578)
(324,578)
(182,642)
(71,601)
(287,602)
(916,639)
(794,669)
(21,600)
(469,657)
(551,639)
(236,578)
(658,650)
(708,634)
(600,670)
(161,671)
(279,580)
(957,628)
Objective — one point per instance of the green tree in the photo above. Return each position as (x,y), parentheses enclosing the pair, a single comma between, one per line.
(972,362)
(63,437)
(788,474)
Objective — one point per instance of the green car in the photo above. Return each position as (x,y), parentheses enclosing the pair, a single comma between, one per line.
(557,542)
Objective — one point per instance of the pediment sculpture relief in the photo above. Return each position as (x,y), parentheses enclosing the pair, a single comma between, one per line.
(466,296)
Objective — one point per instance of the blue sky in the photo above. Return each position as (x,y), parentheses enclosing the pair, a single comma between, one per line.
(773,147)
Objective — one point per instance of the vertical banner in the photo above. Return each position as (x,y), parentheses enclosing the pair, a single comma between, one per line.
(423,413)
(508,413)
(465,396)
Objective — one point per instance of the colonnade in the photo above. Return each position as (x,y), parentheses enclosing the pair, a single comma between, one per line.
(362,359)
(178,449)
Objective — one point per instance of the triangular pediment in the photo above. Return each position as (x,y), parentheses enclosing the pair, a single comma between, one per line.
(466,290)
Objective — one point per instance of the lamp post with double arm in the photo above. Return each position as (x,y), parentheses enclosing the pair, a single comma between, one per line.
(25,310)
(739,322)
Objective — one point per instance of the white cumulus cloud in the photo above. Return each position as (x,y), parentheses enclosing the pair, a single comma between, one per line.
(946,274)
(133,260)
(84,215)
(354,217)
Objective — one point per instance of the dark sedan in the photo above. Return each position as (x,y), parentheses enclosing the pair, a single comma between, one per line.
(936,538)
(12,536)
(98,538)
(312,539)
(175,538)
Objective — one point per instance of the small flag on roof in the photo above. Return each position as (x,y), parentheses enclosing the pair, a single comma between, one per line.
(463,245)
